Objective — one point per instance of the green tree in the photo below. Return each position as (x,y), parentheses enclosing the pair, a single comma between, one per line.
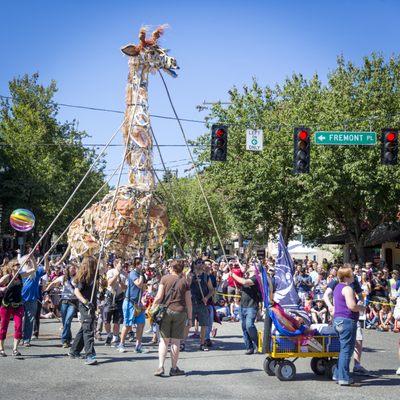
(45,158)
(347,191)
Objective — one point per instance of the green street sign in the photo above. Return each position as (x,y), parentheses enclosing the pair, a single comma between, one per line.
(345,138)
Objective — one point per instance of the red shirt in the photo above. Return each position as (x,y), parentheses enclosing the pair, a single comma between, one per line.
(238,272)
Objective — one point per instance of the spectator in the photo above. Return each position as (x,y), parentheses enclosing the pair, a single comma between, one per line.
(319,312)
(379,288)
(303,284)
(385,318)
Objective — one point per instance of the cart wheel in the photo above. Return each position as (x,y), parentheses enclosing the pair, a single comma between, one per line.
(285,370)
(269,366)
(331,365)
(318,365)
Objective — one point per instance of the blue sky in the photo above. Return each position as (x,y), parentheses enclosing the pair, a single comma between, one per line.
(217,44)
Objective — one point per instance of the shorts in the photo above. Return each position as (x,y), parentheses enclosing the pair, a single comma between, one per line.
(173,325)
(129,314)
(200,312)
(113,313)
(359,334)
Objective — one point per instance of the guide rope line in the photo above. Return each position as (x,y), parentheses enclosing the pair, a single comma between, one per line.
(194,164)
(127,145)
(171,193)
(108,222)
(65,205)
(176,209)
(79,214)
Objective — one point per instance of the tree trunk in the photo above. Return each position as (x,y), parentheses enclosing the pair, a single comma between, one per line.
(360,250)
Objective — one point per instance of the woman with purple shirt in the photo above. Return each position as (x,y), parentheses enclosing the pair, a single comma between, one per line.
(345,323)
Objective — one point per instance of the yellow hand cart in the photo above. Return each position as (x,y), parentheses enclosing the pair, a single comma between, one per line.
(323,351)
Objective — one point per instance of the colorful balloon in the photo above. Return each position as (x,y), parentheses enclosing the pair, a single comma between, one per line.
(22,220)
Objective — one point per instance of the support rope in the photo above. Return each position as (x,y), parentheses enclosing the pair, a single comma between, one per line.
(65,205)
(194,164)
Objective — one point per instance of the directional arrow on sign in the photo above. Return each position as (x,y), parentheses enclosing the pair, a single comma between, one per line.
(321,138)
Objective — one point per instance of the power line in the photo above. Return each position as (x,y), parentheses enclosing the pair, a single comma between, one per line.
(197,121)
(92,144)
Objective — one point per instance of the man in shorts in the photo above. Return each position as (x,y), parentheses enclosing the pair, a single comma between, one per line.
(114,298)
(201,290)
(133,310)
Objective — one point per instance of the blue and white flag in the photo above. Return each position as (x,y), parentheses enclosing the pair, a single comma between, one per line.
(285,290)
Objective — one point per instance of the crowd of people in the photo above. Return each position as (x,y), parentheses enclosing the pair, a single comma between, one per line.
(113,300)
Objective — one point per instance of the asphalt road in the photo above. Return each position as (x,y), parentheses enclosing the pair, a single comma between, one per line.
(44,372)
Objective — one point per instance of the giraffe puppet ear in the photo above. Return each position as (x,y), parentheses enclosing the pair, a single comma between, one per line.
(130,50)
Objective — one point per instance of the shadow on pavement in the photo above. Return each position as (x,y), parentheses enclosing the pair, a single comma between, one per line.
(223,372)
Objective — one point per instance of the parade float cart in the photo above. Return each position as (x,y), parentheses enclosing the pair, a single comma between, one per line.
(287,335)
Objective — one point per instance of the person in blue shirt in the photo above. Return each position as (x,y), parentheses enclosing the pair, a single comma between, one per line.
(30,298)
(133,309)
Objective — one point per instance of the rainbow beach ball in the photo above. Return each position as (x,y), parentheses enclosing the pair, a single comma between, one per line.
(22,220)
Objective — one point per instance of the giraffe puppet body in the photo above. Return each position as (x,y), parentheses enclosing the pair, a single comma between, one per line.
(136,207)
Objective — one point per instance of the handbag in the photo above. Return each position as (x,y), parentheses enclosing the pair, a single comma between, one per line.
(157,314)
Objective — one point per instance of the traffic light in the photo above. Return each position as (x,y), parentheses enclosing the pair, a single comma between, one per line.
(389,146)
(219,142)
(301,159)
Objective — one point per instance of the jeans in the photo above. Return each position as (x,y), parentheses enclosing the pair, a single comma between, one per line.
(250,335)
(29,319)
(210,321)
(85,336)
(67,314)
(36,325)
(346,329)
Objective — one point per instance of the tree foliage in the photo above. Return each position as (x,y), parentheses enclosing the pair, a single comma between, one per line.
(44,159)
(348,190)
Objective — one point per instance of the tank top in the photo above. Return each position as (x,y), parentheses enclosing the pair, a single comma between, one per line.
(341,309)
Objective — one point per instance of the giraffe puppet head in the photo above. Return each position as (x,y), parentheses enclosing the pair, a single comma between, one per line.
(149,53)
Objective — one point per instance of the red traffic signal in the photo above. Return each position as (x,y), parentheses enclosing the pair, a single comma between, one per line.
(302,135)
(390,136)
(220,132)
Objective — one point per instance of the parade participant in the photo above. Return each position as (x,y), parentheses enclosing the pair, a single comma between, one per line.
(68,304)
(133,310)
(358,368)
(201,290)
(85,286)
(174,293)
(233,285)
(345,320)
(114,298)
(30,297)
(210,304)
(12,303)
(249,303)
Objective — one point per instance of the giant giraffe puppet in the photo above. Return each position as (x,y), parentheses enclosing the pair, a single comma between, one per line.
(137,215)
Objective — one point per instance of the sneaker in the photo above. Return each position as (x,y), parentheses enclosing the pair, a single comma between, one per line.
(66,345)
(16,353)
(121,348)
(398,371)
(74,355)
(35,337)
(182,347)
(108,340)
(27,344)
(131,336)
(91,360)
(176,372)
(249,352)
(115,341)
(360,370)
(3,354)
(203,348)
(99,337)
(139,349)
(159,372)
